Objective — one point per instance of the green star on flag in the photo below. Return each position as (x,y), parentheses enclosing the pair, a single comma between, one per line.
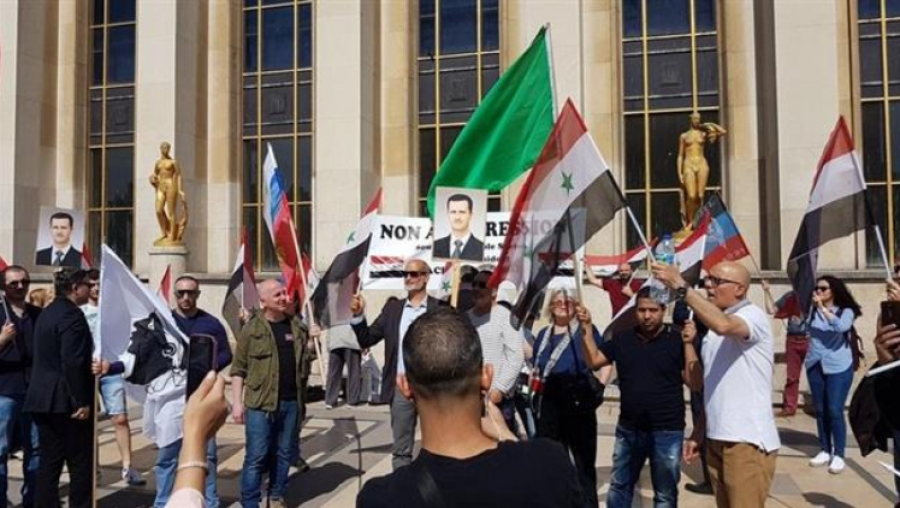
(351,237)
(567,183)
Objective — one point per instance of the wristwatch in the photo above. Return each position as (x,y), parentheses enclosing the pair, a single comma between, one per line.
(681,292)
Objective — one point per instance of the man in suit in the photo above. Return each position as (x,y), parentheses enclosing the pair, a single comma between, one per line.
(61,253)
(391,326)
(61,392)
(460,243)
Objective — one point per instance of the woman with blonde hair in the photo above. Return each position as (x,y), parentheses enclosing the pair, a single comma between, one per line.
(41,297)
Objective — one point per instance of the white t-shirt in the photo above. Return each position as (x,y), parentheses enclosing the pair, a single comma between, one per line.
(737,383)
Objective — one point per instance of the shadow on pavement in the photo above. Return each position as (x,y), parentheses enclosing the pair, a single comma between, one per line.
(819,499)
(317,481)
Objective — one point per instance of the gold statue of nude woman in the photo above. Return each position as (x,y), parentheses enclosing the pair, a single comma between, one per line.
(166,180)
(693,168)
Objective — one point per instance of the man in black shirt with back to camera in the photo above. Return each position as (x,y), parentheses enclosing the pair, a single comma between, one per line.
(652,361)
(459,465)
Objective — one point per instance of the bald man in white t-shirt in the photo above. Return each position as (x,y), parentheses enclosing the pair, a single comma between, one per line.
(739,360)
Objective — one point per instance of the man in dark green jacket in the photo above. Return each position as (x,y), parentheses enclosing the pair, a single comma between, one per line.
(267,379)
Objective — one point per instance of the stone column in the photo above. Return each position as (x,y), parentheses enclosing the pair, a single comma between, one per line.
(811,95)
(346,106)
(28,51)
(170,106)
(224,167)
(740,114)
(399,163)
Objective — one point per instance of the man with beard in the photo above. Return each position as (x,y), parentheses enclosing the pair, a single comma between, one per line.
(621,286)
(17,321)
(391,326)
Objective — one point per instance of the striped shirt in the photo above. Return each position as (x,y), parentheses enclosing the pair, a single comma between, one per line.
(501,345)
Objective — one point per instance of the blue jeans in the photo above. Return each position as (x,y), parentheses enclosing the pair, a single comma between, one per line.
(829,393)
(265,432)
(167,465)
(11,415)
(633,448)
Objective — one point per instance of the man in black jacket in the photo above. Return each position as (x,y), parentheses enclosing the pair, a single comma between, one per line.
(887,385)
(17,320)
(61,392)
(390,326)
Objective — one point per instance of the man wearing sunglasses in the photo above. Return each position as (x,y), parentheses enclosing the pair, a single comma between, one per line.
(391,326)
(739,359)
(17,320)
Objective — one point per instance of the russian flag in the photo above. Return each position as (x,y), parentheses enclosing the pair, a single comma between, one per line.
(724,241)
(277,214)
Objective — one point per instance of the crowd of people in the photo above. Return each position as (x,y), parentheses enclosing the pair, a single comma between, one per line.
(489,398)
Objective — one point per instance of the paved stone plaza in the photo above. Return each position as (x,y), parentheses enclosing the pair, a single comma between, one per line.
(346,446)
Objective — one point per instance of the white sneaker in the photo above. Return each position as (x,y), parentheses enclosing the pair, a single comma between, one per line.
(822,459)
(836,466)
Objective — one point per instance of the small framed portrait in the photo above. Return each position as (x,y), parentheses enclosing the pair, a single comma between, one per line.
(459,222)
(60,237)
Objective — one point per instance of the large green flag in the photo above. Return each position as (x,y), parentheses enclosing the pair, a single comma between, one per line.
(507,132)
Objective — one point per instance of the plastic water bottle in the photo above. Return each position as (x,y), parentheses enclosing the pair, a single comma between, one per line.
(664,253)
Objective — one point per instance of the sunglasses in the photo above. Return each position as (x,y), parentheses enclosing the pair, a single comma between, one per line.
(413,274)
(822,288)
(181,293)
(714,281)
(21,283)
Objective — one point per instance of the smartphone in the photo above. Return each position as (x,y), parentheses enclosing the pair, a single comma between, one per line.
(890,313)
(202,354)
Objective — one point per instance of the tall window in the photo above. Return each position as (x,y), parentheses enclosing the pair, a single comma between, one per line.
(670,52)
(278,110)
(459,61)
(111,139)
(879,60)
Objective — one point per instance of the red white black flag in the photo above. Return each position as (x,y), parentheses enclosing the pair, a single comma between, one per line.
(241,292)
(837,208)
(569,196)
(331,298)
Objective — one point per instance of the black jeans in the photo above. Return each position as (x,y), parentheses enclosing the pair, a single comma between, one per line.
(65,440)
(336,361)
(578,433)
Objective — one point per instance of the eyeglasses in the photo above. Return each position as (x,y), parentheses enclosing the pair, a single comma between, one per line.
(714,281)
(181,293)
(821,289)
(21,283)
(413,274)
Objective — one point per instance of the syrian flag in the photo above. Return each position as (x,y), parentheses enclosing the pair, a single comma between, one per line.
(280,223)
(568,197)
(85,257)
(331,299)
(724,241)
(837,208)
(130,318)
(165,286)
(689,256)
(605,266)
(241,292)
(446,288)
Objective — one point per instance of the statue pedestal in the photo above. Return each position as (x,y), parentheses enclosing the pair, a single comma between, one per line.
(162,257)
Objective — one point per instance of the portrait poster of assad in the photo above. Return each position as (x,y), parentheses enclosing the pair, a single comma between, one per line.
(459,222)
(60,237)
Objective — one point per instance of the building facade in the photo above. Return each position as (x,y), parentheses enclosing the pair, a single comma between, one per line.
(357,94)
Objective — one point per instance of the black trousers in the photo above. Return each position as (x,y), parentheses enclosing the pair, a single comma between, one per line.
(578,433)
(64,439)
(336,361)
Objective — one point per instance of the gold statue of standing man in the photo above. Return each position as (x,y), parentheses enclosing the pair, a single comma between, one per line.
(166,179)
(693,169)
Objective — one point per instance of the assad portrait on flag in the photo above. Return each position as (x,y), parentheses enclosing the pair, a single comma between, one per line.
(459,223)
(59,231)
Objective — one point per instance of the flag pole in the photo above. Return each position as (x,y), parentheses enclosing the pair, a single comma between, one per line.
(634,222)
(454,284)
(548,41)
(306,302)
